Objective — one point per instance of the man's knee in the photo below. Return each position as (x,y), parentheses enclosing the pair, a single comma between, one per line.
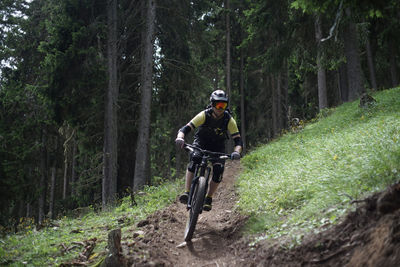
(218,170)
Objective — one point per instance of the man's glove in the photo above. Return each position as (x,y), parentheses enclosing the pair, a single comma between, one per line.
(235,155)
(179,142)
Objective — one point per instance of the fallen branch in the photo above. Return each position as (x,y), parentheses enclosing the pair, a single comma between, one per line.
(83,259)
(65,249)
(89,247)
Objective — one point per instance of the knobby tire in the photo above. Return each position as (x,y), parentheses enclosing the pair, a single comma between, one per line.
(197,206)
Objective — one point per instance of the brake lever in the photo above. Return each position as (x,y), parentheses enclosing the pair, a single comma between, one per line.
(188,148)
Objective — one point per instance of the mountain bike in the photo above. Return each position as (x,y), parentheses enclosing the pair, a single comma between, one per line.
(199,186)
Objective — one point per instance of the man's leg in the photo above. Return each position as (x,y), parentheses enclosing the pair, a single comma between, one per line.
(188,182)
(218,170)
(208,200)
(213,187)
(189,178)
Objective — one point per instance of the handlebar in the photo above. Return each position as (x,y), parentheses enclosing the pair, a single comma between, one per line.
(192,148)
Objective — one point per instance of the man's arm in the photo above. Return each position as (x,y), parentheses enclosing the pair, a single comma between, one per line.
(198,120)
(238,143)
(184,131)
(237,139)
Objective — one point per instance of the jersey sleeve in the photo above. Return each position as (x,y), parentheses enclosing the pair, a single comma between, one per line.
(198,120)
(232,127)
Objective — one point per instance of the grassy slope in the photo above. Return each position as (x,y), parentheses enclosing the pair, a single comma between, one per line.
(306,179)
(42,248)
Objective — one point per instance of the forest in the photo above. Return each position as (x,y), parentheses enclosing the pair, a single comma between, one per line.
(92,93)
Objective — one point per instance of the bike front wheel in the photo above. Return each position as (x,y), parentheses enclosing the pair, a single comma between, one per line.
(196,207)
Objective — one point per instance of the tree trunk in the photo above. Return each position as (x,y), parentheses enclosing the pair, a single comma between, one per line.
(65,177)
(371,66)
(342,83)
(322,90)
(216,74)
(354,71)
(285,95)
(275,99)
(21,209)
(280,103)
(178,163)
(109,184)
(28,210)
(115,256)
(53,180)
(69,134)
(142,165)
(242,105)
(230,144)
(73,167)
(393,63)
(52,192)
(309,90)
(169,165)
(228,50)
(28,198)
(43,178)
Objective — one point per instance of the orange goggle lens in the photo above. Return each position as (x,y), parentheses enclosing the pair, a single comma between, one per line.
(220,105)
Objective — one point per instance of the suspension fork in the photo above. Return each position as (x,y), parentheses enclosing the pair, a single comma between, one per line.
(207,175)
(200,171)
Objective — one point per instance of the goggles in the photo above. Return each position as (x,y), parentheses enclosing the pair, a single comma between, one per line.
(220,105)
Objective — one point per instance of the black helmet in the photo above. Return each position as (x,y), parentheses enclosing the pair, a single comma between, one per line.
(218,96)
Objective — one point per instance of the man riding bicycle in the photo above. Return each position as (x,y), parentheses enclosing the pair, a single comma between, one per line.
(213,125)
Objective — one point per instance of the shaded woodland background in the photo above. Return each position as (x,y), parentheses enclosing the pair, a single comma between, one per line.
(92,93)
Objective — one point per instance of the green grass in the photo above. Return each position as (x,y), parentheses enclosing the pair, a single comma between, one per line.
(42,248)
(304,180)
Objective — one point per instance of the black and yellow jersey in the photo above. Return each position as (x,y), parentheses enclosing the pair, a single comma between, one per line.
(212,132)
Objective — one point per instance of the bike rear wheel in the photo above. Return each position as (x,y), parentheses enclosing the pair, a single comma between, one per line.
(196,207)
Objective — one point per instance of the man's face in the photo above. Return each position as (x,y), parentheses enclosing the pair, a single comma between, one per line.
(219,107)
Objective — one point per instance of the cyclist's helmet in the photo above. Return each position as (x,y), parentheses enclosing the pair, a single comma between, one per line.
(218,96)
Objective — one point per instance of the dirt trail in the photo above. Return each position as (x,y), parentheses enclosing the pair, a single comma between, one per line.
(369,236)
(216,231)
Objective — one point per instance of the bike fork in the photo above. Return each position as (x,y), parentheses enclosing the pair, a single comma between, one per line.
(193,185)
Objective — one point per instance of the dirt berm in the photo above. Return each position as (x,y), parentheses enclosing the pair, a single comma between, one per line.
(369,236)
